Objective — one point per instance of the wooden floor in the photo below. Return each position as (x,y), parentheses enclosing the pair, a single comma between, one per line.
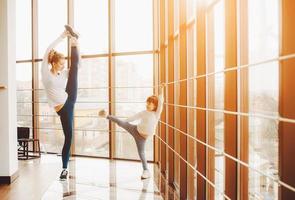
(35,176)
(89,179)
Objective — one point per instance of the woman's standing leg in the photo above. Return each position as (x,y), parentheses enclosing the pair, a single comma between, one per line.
(66,117)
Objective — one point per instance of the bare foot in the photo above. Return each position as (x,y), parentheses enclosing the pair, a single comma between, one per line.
(102,113)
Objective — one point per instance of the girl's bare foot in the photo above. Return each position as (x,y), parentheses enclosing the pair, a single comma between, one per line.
(102,113)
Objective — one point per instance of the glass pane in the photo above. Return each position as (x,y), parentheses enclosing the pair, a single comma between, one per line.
(263,133)
(166,25)
(263,29)
(92,133)
(133,25)
(219,60)
(94,74)
(50,26)
(93,139)
(217,97)
(25,121)
(51,140)
(50,129)
(132,71)
(92,143)
(91,21)
(191,9)
(24,76)
(263,97)
(191,112)
(176,15)
(176,111)
(23,30)
(24,94)
(48,119)
(191,52)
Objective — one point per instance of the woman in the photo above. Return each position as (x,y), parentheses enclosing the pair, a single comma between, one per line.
(61,88)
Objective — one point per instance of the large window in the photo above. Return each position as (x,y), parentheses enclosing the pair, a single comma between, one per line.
(126,28)
(244,48)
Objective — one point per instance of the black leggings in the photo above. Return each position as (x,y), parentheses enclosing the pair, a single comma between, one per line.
(66,114)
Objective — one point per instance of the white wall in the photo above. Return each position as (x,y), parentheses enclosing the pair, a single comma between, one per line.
(8,134)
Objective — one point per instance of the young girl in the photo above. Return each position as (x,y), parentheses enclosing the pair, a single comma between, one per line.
(61,88)
(146,127)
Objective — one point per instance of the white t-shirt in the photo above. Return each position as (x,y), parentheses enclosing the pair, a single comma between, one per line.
(148,119)
(54,84)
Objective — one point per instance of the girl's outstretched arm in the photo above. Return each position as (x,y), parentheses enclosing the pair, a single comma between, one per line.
(161,101)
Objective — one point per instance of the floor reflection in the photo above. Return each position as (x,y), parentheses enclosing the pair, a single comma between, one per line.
(104,179)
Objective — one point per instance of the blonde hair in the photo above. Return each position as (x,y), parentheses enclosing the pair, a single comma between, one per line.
(54,57)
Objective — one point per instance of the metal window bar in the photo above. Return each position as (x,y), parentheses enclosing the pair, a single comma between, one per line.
(77,129)
(23,102)
(115,54)
(93,88)
(78,116)
(278,118)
